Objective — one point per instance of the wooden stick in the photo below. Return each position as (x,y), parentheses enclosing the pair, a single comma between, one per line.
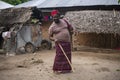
(65,56)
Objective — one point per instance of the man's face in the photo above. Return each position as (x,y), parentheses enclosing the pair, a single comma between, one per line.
(56,18)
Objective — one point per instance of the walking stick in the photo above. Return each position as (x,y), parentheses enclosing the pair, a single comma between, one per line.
(65,56)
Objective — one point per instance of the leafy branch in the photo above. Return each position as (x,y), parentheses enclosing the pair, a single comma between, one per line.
(15,2)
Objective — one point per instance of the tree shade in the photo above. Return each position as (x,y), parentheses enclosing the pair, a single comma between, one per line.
(15,2)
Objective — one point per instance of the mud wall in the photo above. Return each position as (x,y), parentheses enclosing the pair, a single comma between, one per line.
(45,26)
(96,40)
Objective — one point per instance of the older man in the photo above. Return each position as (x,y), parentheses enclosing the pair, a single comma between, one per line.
(59,31)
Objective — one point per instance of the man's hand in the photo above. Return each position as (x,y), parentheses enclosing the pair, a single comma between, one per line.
(55,40)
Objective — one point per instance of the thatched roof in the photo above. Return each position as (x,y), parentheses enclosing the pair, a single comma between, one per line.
(91,21)
(13,15)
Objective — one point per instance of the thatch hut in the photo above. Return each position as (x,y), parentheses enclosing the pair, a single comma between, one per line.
(10,18)
(96,28)
(24,28)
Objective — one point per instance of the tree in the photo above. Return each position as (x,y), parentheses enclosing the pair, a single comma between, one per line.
(118,1)
(22,1)
(15,2)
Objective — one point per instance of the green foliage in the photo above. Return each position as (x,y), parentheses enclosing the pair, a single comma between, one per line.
(22,1)
(15,2)
(118,1)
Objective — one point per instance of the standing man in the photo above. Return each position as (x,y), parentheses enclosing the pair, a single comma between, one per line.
(59,32)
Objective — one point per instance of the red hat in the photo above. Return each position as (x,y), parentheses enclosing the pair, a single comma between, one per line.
(54,12)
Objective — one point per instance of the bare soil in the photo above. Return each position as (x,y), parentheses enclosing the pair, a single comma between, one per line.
(88,65)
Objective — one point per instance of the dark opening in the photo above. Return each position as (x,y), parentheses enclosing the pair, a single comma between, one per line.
(1,38)
(1,41)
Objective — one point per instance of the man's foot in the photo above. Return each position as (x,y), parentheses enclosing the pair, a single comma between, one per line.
(62,72)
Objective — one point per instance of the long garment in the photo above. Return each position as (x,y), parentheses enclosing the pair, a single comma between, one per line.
(61,63)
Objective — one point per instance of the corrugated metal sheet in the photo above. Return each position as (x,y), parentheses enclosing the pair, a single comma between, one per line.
(4,5)
(69,3)
(66,3)
(31,3)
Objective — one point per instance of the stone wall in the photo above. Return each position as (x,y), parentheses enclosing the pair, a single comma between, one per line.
(95,21)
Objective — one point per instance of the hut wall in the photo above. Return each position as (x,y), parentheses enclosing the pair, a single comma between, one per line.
(97,40)
(90,21)
(45,27)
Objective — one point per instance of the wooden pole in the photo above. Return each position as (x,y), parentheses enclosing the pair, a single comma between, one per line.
(65,56)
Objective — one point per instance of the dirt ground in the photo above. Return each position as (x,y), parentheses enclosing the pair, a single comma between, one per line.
(88,65)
